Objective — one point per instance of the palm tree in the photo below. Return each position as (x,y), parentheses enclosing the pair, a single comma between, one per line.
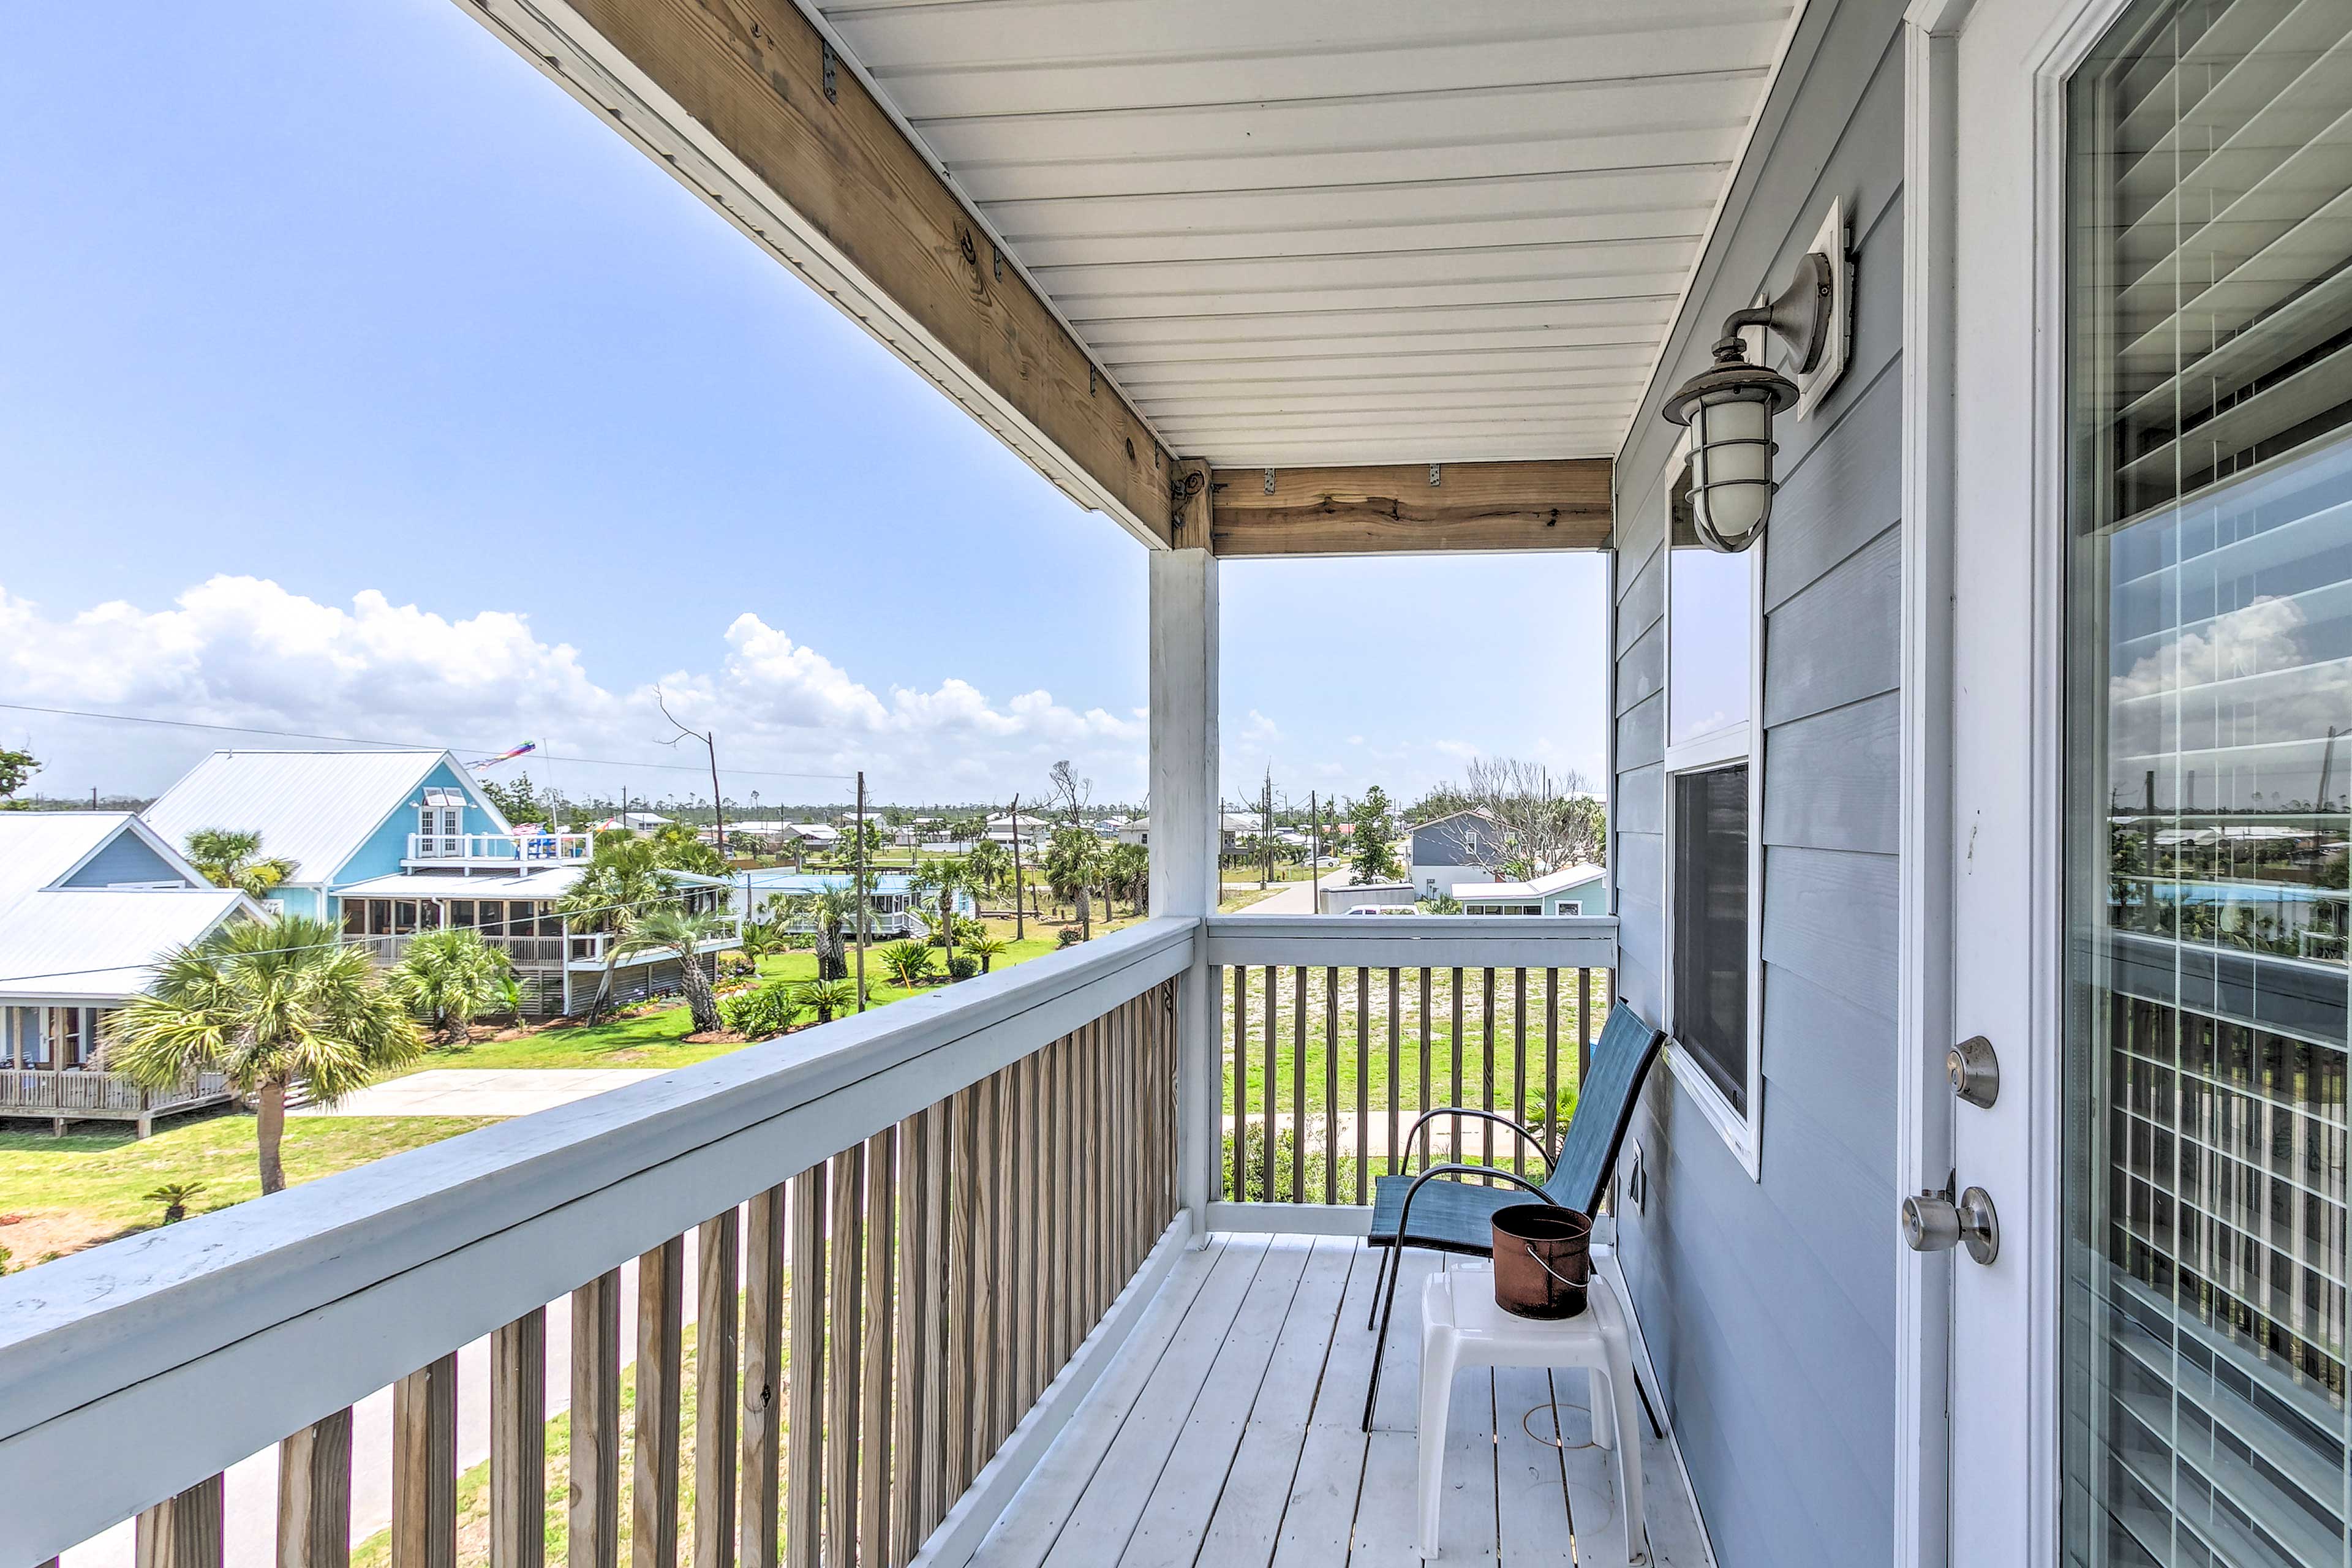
(672,930)
(987,949)
(831,908)
(1127,868)
(827,997)
(677,847)
(449,977)
(1072,867)
(231,858)
(266,1003)
(176,1197)
(624,881)
(943,880)
(988,865)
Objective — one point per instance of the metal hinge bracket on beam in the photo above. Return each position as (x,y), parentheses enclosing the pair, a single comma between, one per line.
(831,88)
(1436,472)
(1269,481)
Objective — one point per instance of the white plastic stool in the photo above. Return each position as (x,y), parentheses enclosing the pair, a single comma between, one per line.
(1463,1326)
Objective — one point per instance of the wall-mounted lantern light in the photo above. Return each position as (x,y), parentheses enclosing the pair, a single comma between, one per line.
(1729,408)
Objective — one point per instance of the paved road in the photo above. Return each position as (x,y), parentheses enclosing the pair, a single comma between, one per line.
(1292,899)
(490,1092)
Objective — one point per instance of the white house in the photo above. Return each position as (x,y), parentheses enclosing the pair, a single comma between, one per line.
(1570,891)
(89,900)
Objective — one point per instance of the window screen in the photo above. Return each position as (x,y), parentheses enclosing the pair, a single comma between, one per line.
(1710,925)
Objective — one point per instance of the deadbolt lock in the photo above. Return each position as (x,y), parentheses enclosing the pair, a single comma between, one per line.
(1975,1070)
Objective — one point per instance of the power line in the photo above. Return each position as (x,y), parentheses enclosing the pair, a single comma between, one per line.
(401,745)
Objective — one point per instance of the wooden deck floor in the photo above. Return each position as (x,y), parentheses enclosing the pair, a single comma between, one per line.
(1227,1433)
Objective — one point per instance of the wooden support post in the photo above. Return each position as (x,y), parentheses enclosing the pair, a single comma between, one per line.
(518,1442)
(718,1269)
(804,1466)
(1184,841)
(593,1506)
(763,1371)
(314,1495)
(652,1470)
(424,1467)
(183,1531)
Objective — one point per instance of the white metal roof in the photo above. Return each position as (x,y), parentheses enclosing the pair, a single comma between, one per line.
(38,847)
(314,808)
(1327,231)
(94,944)
(1557,882)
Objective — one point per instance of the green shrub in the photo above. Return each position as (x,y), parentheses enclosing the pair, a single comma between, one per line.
(765,1011)
(907,964)
(737,965)
(963,967)
(1070,937)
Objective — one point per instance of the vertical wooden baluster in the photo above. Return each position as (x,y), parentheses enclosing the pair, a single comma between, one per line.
(1454,1136)
(1486,1036)
(1035,1370)
(1298,1084)
(1331,1084)
(1519,1068)
(593,1503)
(1551,1059)
(314,1495)
(1007,1341)
(845,1276)
(424,1467)
(1363,1081)
(1239,1138)
(1396,1067)
(875,1504)
(963,1290)
(984,1319)
(654,1466)
(933,1435)
(805,1398)
(1270,1094)
(1058,1187)
(1583,1027)
(1426,1161)
(1122,1167)
(183,1530)
(763,1377)
(1090,1176)
(909,1415)
(718,1267)
(518,1442)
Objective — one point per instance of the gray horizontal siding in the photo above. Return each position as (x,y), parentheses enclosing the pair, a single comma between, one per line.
(1768,1304)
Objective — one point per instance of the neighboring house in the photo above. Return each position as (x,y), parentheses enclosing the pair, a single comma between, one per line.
(1447,851)
(1233,827)
(895,909)
(87,901)
(1570,891)
(812,837)
(635,821)
(1339,900)
(1032,830)
(389,844)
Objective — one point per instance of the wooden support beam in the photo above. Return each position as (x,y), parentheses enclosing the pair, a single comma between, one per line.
(747,103)
(1411,508)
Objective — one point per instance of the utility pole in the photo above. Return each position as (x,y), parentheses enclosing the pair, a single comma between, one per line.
(1266,828)
(1314,853)
(709,738)
(1020,926)
(860,875)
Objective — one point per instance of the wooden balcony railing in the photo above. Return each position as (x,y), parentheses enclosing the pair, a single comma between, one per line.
(1337,1035)
(906,1227)
(910,1240)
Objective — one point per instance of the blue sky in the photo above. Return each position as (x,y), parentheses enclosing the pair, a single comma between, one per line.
(358,381)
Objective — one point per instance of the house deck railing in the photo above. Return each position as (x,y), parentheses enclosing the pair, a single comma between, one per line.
(89,1092)
(517,851)
(922,1233)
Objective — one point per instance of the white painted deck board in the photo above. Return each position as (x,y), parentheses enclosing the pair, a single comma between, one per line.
(1227,1433)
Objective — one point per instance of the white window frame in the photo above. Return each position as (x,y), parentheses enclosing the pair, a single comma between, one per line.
(1729,746)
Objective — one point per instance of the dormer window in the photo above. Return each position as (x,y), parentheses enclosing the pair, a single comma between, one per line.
(441,820)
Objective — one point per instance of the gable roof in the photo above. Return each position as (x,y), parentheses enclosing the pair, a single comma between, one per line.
(41,848)
(1557,882)
(314,808)
(1449,817)
(58,943)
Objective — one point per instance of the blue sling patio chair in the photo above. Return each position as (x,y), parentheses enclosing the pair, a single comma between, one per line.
(1454,1216)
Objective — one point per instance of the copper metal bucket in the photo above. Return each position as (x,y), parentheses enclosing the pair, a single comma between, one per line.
(1543,1260)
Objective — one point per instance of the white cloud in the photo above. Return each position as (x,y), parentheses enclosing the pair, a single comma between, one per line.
(245,651)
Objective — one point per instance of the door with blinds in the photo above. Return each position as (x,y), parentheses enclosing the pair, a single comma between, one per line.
(2207,760)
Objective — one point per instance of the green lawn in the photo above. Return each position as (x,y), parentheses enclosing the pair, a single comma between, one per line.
(88,1186)
(657,1038)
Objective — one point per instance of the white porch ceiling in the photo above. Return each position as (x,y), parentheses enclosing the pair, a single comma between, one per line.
(1344,231)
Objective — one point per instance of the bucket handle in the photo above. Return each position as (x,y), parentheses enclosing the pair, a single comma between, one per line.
(1548,1268)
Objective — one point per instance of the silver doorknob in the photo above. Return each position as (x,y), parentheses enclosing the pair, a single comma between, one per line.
(1932,1221)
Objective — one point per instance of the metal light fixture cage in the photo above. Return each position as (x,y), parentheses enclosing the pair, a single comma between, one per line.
(1729,408)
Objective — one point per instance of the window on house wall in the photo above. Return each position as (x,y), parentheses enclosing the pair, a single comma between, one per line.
(1712,787)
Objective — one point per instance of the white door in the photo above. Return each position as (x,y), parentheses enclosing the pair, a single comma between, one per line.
(2151,554)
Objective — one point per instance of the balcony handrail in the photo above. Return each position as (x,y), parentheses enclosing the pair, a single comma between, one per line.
(551,847)
(138,1369)
(1416,942)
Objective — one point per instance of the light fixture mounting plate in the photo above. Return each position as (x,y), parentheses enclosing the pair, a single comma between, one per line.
(1838,343)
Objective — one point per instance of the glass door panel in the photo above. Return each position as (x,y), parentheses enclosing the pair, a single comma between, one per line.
(2208,776)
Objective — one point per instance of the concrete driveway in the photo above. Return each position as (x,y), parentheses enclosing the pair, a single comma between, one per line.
(489,1092)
